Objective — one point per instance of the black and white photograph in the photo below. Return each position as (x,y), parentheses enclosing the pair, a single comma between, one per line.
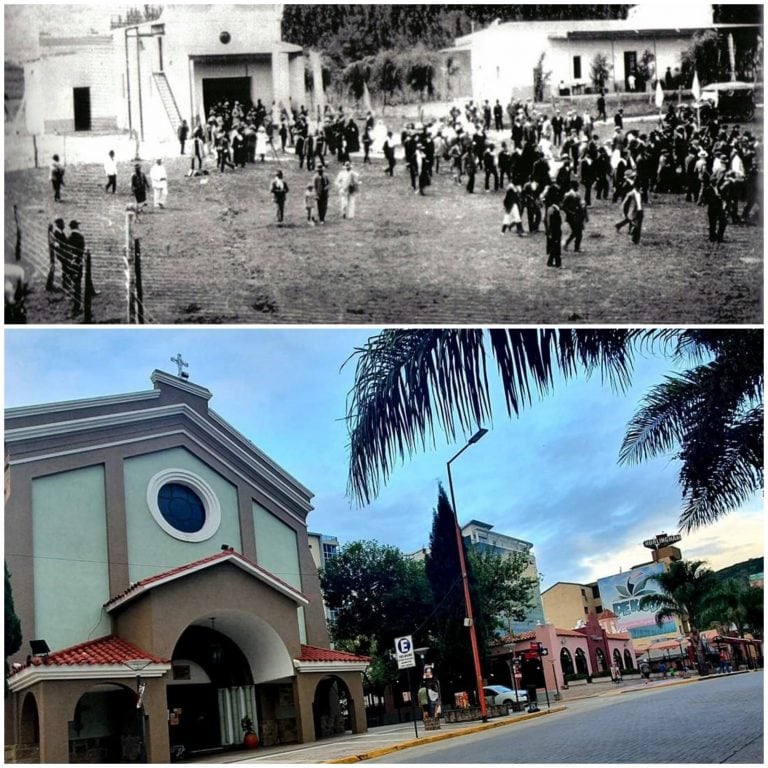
(593,164)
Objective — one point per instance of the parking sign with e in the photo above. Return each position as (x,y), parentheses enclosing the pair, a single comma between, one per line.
(404,652)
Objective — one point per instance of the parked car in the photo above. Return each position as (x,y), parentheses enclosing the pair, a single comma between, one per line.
(733,100)
(500,694)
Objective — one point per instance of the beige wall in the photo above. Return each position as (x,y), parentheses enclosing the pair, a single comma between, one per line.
(564,604)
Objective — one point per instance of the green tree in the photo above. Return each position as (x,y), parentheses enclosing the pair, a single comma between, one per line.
(600,71)
(409,381)
(733,603)
(12,623)
(420,67)
(355,76)
(704,56)
(376,593)
(711,417)
(686,586)
(386,76)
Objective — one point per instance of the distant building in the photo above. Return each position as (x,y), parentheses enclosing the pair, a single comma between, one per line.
(568,603)
(150,76)
(756,580)
(323,549)
(143,529)
(569,47)
(482,538)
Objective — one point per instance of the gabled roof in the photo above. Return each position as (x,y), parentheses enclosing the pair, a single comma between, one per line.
(143,586)
(105,657)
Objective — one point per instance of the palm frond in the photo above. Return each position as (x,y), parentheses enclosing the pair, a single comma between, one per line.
(407,382)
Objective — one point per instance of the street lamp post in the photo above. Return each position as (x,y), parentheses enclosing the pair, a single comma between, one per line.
(465,580)
(137,665)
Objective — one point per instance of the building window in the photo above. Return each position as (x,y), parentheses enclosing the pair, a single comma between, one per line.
(586,609)
(183,505)
(595,591)
(599,609)
(329,551)
(583,593)
(577,67)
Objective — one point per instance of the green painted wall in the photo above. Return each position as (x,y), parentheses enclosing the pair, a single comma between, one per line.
(70,549)
(150,549)
(277,551)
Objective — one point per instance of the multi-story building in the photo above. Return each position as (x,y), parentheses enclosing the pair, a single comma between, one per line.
(482,538)
(568,603)
(323,548)
(145,535)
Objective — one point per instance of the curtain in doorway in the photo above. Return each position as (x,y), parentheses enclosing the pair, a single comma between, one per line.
(234,704)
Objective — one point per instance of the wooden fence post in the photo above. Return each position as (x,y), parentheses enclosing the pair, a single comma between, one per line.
(89,291)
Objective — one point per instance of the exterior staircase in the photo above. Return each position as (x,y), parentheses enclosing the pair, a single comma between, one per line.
(169,102)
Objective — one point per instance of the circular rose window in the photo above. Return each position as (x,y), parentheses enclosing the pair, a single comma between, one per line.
(183,505)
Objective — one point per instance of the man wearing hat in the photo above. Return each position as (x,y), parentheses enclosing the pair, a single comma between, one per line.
(347,185)
(159,180)
(322,185)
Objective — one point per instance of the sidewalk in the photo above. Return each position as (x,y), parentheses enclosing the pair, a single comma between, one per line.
(382,740)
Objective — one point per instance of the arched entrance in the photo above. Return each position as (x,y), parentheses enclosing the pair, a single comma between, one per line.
(617,659)
(332,708)
(602,663)
(581,662)
(104,727)
(628,663)
(566,662)
(29,728)
(210,692)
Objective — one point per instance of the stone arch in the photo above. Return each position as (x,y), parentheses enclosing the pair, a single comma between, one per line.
(332,708)
(566,662)
(617,660)
(581,662)
(104,727)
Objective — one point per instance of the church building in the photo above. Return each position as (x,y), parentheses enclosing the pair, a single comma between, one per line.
(168,597)
(150,76)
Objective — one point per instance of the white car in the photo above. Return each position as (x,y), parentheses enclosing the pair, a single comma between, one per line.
(500,694)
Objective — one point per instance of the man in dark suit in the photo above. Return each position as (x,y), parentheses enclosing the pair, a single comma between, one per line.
(74,263)
(498,116)
(322,186)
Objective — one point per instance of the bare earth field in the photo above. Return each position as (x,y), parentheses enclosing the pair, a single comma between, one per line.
(215,255)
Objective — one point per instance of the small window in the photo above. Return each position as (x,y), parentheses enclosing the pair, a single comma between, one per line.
(583,593)
(577,67)
(181,507)
(586,610)
(599,609)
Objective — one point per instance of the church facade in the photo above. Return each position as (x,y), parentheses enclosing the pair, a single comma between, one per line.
(148,77)
(155,552)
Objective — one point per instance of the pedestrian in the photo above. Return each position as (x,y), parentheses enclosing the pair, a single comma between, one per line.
(310,202)
(367,141)
(182,133)
(601,107)
(498,116)
(512,216)
(56,177)
(632,207)
(110,169)
(575,214)
(645,671)
(57,245)
(262,143)
(159,179)
(716,212)
(423,698)
(74,264)
(322,186)
(279,190)
(389,153)
(553,223)
(198,149)
(347,185)
(139,187)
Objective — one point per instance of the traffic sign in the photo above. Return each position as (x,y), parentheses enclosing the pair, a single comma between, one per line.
(404,651)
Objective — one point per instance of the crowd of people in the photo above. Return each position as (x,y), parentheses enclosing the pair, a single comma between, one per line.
(549,168)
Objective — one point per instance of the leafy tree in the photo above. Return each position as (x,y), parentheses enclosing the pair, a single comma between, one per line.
(712,417)
(355,76)
(686,586)
(646,68)
(12,623)
(703,56)
(387,75)
(406,381)
(733,603)
(540,78)
(599,71)
(420,68)
(376,593)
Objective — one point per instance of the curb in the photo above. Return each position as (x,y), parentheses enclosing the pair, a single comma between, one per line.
(435,737)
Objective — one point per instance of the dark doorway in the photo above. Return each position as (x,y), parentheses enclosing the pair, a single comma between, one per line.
(630,68)
(82,101)
(159,54)
(197,725)
(229,89)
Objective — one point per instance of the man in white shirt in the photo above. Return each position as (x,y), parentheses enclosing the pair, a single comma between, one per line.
(632,207)
(159,180)
(110,169)
(347,185)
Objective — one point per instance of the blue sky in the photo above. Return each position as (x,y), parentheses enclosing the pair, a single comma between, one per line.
(550,477)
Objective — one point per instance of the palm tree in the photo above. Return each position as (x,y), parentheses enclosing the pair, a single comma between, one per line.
(409,381)
(686,586)
(713,415)
(732,604)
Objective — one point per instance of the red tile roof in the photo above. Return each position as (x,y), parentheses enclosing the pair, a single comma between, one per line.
(313,653)
(204,562)
(104,650)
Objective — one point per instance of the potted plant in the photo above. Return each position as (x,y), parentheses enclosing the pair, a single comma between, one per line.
(250,739)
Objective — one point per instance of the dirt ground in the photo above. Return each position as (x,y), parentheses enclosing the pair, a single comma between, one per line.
(216,255)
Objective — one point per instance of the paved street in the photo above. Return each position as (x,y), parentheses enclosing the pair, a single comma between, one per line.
(711,721)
